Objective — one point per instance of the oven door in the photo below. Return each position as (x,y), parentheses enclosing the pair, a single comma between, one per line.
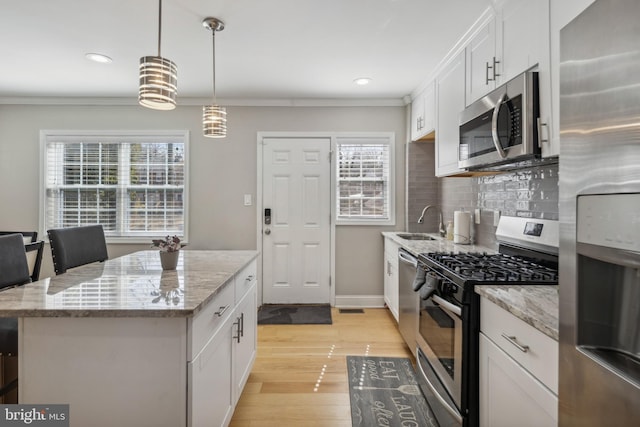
(440,341)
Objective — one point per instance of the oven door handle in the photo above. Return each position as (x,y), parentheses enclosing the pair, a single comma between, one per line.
(447,305)
(447,406)
(406,258)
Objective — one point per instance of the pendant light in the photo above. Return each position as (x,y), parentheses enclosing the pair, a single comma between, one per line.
(158,77)
(214,117)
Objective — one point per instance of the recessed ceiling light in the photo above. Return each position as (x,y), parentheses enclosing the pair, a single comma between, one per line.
(98,57)
(361,81)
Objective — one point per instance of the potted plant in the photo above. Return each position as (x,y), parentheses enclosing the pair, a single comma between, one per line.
(169,248)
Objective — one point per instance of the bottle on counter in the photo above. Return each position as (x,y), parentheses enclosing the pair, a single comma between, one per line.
(449,230)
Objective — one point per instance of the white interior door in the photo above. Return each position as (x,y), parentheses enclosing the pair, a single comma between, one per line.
(296,241)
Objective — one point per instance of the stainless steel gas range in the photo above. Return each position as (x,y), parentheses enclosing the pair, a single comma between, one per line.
(449,321)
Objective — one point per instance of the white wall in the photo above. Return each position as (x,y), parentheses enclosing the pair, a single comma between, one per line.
(221,172)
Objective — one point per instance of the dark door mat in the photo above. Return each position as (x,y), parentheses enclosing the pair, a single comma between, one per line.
(385,391)
(351,311)
(296,314)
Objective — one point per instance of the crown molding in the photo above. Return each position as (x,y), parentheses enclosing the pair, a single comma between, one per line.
(243,102)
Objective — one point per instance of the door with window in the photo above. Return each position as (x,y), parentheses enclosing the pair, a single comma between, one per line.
(296,225)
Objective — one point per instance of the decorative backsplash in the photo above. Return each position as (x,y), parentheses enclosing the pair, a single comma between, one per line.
(530,193)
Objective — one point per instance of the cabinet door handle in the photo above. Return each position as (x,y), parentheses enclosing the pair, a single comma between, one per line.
(486,73)
(493,69)
(512,339)
(237,336)
(540,138)
(249,278)
(242,324)
(221,310)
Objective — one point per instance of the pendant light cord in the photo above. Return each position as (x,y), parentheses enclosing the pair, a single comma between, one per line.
(213,32)
(159,25)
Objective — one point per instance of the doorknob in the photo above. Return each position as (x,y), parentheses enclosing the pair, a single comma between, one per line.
(267,231)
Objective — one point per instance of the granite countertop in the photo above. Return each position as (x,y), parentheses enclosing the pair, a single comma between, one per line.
(439,244)
(133,285)
(537,305)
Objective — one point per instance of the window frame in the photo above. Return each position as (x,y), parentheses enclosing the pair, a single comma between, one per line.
(383,138)
(137,136)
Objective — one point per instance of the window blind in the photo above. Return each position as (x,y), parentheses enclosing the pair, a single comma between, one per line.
(363,179)
(132,185)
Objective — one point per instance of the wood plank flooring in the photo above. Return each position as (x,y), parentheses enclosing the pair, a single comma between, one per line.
(300,377)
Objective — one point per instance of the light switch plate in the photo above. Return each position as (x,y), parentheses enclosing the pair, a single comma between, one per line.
(247,200)
(496,218)
(477,216)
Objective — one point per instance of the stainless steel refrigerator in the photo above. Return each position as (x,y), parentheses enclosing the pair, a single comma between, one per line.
(600,216)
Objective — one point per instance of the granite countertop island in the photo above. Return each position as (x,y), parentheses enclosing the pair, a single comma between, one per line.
(125,343)
(133,285)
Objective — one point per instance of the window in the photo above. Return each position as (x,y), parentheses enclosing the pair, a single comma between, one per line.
(365,180)
(134,184)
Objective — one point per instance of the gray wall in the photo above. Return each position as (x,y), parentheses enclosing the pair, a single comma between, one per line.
(221,171)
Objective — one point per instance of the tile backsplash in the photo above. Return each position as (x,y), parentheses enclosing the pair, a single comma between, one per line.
(530,193)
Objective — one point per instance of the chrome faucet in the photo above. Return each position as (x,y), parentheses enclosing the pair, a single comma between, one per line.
(426,208)
(441,229)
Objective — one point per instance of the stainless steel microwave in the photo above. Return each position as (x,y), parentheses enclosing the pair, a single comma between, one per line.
(502,126)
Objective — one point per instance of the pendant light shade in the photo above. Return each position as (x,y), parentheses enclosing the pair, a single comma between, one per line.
(158,77)
(214,117)
(214,121)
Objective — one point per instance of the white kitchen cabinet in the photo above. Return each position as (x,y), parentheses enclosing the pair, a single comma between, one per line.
(210,381)
(524,38)
(391,278)
(450,95)
(423,113)
(245,339)
(482,62)
(518,371)
(219,372)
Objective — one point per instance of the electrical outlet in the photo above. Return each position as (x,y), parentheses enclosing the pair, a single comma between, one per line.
(477,216)
(496,218)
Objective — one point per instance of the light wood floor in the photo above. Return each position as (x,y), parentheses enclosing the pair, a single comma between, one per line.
(300,375)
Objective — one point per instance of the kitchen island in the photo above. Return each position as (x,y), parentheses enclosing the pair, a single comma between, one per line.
(125,343)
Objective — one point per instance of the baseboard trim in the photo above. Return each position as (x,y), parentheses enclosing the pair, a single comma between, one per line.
(360,301)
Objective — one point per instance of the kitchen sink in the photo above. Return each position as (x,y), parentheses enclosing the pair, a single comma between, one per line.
(414,236)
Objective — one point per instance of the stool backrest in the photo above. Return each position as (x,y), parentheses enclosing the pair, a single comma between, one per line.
(14,269)
(76,246)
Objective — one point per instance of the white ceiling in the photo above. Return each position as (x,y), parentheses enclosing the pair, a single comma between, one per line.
(270,49)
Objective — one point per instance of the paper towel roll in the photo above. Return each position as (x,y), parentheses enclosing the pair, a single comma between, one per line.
(462,227)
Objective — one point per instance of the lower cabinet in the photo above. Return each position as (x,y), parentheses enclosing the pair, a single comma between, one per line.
(391,285)
(518,372)
(509,395)
(245,340)
(219,372)
(210,399)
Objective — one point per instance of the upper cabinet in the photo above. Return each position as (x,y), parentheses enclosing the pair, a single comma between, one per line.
(423,113)
(482,62)
(524,36)
(450,95)
(509,42)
